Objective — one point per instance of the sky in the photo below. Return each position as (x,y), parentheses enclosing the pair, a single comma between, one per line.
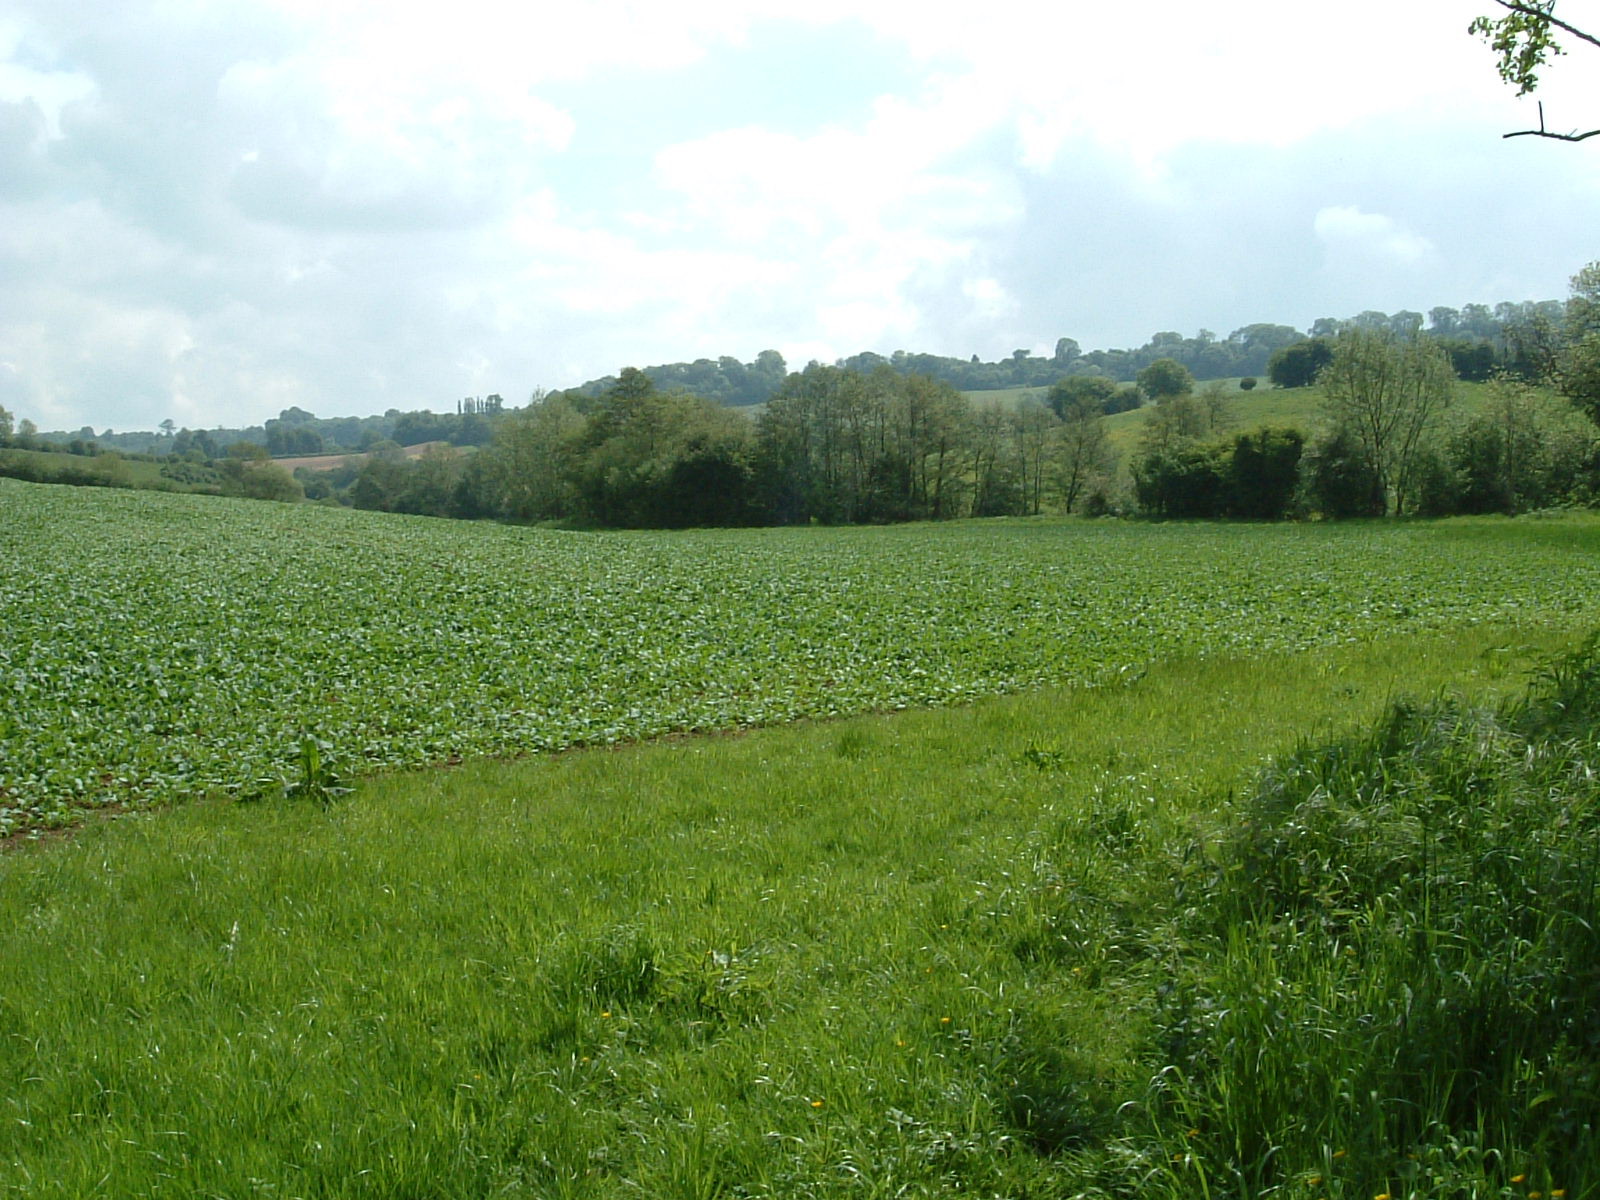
(211,211)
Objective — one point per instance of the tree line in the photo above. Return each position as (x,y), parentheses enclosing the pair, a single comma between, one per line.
(1481,338)
(841,444)
(866,440)
(835,445)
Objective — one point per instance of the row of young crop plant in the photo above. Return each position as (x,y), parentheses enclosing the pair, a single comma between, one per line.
(158,646)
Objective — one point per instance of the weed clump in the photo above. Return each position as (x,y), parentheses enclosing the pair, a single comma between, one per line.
(1402,961)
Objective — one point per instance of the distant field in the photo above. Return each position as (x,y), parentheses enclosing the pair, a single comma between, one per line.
(1008,396)
(159,646)
(330,462)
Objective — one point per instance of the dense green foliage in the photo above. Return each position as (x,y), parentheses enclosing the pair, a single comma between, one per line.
(1253,476)
(833,446)
(161,645)
(1299,365)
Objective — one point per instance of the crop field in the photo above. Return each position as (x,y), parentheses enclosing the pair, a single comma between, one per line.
(159,646)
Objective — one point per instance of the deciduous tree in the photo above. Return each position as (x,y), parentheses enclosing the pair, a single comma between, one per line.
(1577,362)
(1388,395)
(1084,456)
(1165,377)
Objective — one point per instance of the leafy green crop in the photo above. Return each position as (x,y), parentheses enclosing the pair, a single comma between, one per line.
(153,646)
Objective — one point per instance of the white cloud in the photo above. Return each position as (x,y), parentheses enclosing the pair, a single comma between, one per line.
(990,300)
(211,211)
(1345,230)
(50,90)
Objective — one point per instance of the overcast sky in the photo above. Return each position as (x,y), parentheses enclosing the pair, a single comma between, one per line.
(211,211)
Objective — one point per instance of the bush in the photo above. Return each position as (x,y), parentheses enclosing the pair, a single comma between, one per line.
(1263,473)
(1299,365)
(256,480)
(1337,480)
(1188,480)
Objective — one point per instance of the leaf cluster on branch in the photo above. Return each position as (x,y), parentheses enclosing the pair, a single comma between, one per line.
(1525,39)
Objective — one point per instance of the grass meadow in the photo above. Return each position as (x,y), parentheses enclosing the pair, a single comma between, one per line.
(1219,913)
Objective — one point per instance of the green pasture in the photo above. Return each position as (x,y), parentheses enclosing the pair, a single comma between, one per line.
(163,646)
(110,470)
(1296,408)
(1008,397)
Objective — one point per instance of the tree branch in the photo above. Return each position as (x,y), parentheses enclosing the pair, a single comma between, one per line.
(1547,133)
(1560,137)
(1528,10)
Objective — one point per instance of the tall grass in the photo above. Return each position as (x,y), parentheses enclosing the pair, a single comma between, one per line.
(1397,985)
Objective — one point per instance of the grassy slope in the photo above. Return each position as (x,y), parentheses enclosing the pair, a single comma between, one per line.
(1299,408)
(126,472)
(905,955)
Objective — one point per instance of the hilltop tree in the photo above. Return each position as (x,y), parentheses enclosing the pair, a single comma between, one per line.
(5,426)
(1165,377)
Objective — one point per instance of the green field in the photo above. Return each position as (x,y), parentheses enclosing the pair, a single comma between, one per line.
(923,954)
(108,470)
(1146,888)
(1296,408)
(160,646)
